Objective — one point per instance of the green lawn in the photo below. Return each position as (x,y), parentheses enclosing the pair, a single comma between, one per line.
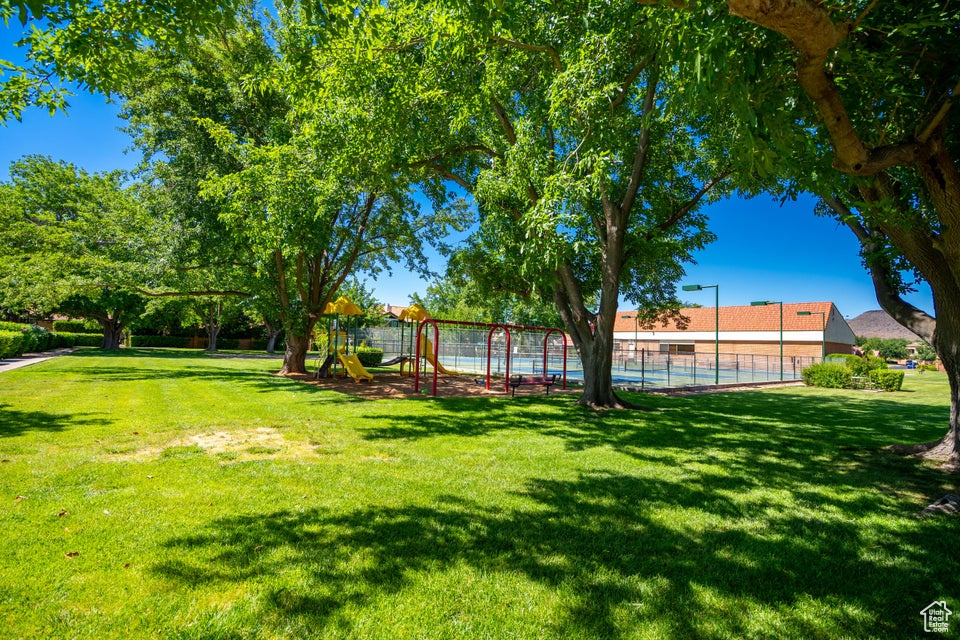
(165,494)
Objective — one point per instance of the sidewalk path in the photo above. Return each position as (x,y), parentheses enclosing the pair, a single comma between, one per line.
(31,358)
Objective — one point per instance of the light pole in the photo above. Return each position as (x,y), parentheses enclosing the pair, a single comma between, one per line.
(716,332)
(763,303)
(823,330)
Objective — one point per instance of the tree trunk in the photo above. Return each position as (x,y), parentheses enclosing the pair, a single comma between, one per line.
(946,343)
(295,355)
(112,334)
(213,325)
(596,355)
(212,333)
(272,334)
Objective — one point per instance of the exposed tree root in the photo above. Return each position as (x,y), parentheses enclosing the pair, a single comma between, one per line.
(617,403)
(941,451)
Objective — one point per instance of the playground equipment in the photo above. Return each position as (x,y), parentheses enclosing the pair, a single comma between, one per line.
(342,306)
(429,351)
(428,354)
(354,368)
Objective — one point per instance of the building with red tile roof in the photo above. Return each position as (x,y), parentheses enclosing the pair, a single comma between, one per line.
(743,330)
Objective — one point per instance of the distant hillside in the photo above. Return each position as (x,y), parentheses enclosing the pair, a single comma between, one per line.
(879,324)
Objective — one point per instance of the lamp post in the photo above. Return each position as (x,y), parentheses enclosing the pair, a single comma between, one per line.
(763,303)
(823,330)
(716,333)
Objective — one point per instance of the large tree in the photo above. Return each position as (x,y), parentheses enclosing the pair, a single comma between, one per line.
(75,243)
(571,127)
(277,188)
(878,83)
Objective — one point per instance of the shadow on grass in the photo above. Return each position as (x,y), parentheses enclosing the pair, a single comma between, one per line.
(602,544)
(254,374)
(14,422)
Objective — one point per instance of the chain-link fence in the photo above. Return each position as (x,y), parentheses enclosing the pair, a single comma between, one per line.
(465,350)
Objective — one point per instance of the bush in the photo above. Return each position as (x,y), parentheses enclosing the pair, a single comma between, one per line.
(79,339)
(13,326)
(886,379)
(35,338)
(926,366)
(75,326)
(863,365)
(11,343)
(176,342)
(369,356)
(829,375)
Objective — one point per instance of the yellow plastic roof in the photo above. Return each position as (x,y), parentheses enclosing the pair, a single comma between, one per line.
(342,306)
(414,313)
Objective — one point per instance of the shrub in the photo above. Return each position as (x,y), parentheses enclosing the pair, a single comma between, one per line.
(926,366)
(863,365)
(11,343)
(80,339)
(75,326)
(35,338)
(886,379)
(13,326)
(829,375)
(369,356)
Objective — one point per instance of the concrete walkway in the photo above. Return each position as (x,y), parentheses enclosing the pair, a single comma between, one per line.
(31,358)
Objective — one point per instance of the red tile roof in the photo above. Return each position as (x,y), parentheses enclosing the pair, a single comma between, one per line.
(744,318)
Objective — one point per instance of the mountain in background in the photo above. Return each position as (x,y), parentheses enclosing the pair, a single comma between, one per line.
(879,324)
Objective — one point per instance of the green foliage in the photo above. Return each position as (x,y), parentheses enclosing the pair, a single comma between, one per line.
(369,356)
(886,379)
(80,339)
(829,375)
(92,44)
(13,326)
(838,371)
(863,365)
(72,242)
(925,353)
(75,326)
(11,344)
(887,348)
(35,338)
(859,365)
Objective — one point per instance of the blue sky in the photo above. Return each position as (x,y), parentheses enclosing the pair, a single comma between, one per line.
(764,251)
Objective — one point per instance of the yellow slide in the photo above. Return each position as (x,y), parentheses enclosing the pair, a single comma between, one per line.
(428,354)
(356,371)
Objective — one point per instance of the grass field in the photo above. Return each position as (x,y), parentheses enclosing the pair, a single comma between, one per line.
(165,494)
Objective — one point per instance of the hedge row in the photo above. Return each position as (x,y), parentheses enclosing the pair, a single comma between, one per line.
(17,343)
(11,343)
(76,326)
(79,339)
(369,356)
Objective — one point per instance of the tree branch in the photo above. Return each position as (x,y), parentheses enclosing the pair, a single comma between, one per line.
(677,214)
(501,114)
(532,47)
(628,82)
(882,275)
(643,145)
(809,27)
